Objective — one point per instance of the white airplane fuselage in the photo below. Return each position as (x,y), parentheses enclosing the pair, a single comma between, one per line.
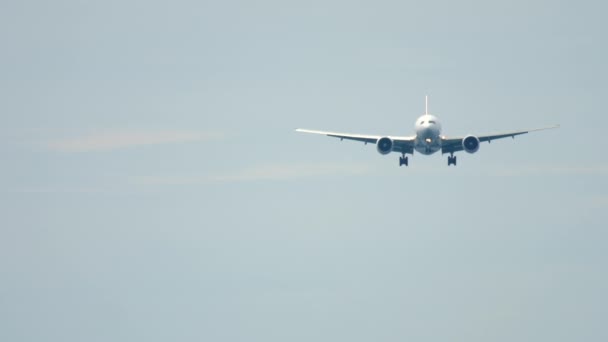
(428,134)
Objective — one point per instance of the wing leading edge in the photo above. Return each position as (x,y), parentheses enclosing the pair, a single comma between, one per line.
(451,145)
(400,144)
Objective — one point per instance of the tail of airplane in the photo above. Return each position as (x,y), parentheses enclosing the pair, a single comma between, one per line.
(426,105)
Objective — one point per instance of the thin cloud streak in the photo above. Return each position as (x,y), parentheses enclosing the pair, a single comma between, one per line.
(599,202)
(266,172)
(118,140)
(61,190)
(294,171)
(282,172)
(553,170)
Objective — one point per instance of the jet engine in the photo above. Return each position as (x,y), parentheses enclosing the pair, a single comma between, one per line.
(470,144)
(384,145)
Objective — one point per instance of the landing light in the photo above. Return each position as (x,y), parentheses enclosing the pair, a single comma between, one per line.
(428,140)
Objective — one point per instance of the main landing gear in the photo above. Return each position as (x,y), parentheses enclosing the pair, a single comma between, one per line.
(451,159)
(403,160)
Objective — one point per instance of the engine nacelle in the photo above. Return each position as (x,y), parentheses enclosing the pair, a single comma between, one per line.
(470,143)
(384,145)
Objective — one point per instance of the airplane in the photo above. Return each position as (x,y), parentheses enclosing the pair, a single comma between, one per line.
(427,139)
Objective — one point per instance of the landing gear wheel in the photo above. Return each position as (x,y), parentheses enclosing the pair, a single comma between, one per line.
(452,160)
(403,161)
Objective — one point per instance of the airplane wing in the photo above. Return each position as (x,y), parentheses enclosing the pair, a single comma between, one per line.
(401,144)
(454,144)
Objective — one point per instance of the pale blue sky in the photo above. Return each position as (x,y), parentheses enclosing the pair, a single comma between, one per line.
(153,188)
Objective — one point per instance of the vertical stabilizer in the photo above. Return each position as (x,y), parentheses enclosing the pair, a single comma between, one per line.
(426,105)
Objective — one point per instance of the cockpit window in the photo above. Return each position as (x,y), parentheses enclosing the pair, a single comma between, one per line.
(432,122)
(422,122)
